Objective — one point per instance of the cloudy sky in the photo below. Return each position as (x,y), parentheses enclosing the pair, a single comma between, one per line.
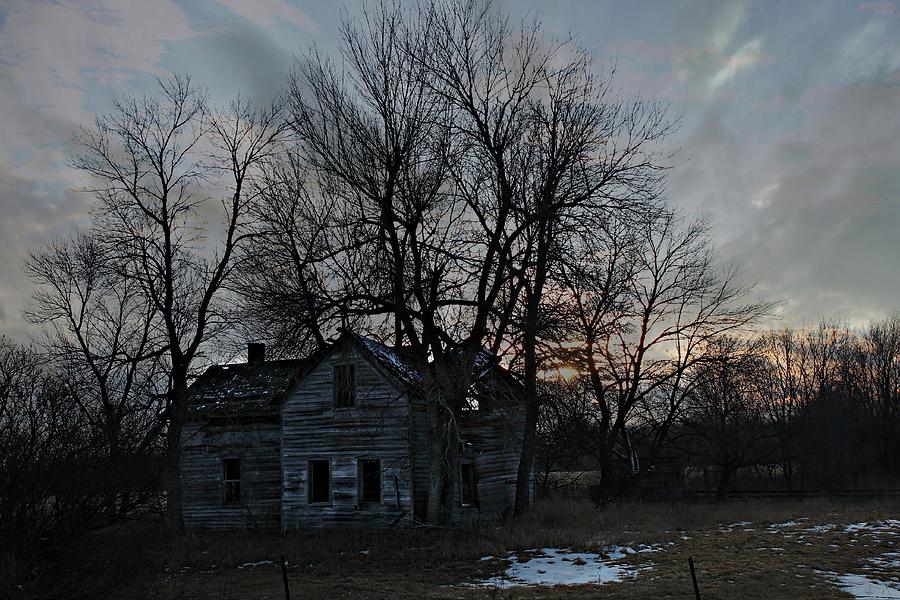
(790,141)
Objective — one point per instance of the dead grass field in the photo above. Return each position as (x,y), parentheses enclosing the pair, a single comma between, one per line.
(781,553)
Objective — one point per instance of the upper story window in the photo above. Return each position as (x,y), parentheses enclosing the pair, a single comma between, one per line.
(231,468)
(344,386)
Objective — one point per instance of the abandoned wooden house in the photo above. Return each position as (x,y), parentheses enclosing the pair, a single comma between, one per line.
(340,440)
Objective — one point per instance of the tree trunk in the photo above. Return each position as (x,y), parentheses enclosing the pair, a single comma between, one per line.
(722,487)
(436,474)
(442,468)
(445,440)
(450,470)
(177,411)
(529,343)
(526,460)
(610,484)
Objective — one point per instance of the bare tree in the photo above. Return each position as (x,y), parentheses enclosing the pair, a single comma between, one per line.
(489,73)
(877,379)
(785,357)
(805,366)
(282,278)
(45,498)
(674,306)
(725,412)
(99,331)
(588,155)
(565,432)
(160,163)
(412,152)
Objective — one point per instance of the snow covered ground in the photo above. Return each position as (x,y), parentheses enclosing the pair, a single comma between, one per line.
(882,578)
(563,566)
(860,586)
(872,573)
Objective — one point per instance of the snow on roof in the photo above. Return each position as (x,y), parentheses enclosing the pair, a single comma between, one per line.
(244,387)
(398,365)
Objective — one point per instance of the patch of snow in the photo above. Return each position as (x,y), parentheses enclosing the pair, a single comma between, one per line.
(364,552)
(732,526)
(860,586)
(788,523)
(888,526)
(250,565)
(562,566)
(889,560)
(820,528)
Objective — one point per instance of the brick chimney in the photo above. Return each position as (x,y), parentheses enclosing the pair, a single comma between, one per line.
(256,353)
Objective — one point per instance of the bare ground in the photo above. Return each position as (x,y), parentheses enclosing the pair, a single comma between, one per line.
(784,551)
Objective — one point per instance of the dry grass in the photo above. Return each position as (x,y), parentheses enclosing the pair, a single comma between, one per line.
(140,561)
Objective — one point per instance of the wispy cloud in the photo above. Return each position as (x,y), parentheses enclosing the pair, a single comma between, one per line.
(790,141)
(881,8)
(746,56)
(266,13)
(56,52)
(726,22)
(763,198)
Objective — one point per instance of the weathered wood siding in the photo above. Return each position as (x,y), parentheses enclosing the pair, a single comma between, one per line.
(376,428)
(492,442)
(204,447)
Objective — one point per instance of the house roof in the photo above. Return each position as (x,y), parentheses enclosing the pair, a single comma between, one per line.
(245,387)
(398,363)
(260,388)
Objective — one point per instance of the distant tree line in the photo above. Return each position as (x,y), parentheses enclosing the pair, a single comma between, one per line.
(814,409)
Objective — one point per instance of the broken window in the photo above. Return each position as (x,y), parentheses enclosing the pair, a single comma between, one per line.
(468,485)
(232,476)
(344,386)
(319,481)
(369,480)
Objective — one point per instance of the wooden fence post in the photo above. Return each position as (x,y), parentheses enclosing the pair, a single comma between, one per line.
(694,577)
(287,591)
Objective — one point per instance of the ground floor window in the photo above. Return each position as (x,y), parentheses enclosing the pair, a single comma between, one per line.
(468,484)
(319,481)
(369,482)
(231,468)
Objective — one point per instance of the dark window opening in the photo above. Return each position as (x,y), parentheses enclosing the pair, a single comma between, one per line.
(344,386)
(370,480)
(468,485)
(232,477)
(319,481)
